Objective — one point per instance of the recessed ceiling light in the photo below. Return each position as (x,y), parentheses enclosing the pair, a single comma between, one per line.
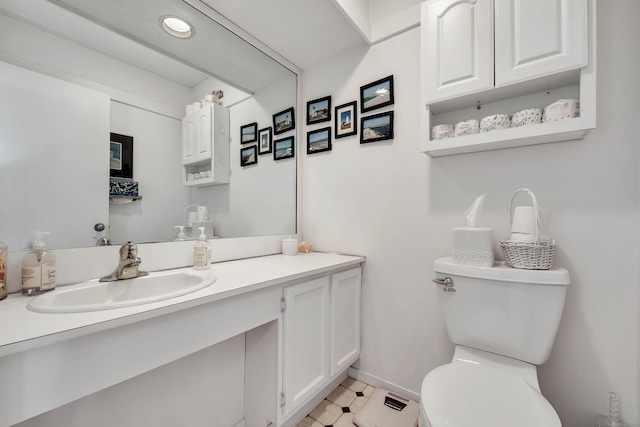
(177,27)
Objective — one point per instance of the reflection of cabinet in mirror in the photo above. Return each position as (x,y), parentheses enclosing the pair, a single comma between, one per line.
(205,146)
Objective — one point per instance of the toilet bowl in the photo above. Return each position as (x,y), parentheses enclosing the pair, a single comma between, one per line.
(503,322)
(467,393)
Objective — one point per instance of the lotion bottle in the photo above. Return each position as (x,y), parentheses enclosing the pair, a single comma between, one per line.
(38,267)
(202,252)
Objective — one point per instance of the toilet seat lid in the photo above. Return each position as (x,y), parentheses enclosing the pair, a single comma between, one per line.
(465,394)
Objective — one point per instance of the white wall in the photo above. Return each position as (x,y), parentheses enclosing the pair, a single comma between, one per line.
(396,206)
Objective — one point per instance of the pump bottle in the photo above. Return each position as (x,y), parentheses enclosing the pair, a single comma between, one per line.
(202,252)
(38,267)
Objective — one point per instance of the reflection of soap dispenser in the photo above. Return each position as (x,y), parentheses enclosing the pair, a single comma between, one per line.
(202,252)
(38,267)
(181,235)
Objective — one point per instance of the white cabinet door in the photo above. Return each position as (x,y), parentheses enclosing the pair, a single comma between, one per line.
(196,136)
(459,47)
(188,140)
(204,120)
(305,326)
(345,319)
(538,38)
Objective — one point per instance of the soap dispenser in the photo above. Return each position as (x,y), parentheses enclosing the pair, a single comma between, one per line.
(181,235)
(202,252)
(38,267)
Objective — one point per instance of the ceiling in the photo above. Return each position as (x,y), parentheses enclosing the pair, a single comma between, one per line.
(302,31)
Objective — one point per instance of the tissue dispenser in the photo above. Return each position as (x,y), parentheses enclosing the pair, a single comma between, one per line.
(473,246)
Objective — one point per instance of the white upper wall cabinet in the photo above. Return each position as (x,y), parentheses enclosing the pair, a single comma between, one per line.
(485,57)
(205,146)
(531,39)
(459,47)
(536,38)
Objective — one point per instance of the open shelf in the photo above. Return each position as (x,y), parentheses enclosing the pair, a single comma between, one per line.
(507,138)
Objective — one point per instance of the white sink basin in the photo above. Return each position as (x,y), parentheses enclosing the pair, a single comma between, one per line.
(93,295)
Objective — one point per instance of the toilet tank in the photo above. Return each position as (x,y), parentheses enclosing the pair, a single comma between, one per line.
(503,310)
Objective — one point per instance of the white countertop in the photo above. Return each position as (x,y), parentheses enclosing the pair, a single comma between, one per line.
(23,329)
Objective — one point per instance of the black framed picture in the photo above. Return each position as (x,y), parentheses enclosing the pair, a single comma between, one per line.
(377,127)
(121,156)
(319,140)
(377,94)
(248,156)
(319,110)
(346,120)
(283,121)
(283,148)
(264,140)
(249,133)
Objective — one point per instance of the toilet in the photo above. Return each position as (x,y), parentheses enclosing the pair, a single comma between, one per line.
(503,322)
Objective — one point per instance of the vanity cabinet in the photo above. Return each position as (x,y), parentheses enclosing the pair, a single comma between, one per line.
(484,57)
(205,146)
(321,335)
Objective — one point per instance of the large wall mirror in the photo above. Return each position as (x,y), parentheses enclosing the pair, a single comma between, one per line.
(74,71)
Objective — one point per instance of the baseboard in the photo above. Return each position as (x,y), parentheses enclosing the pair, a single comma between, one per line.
(380,383)
(239,423)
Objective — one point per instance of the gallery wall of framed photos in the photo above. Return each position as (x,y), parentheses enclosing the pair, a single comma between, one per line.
(375,121)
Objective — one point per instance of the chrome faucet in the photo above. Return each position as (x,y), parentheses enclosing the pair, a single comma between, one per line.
(128,265)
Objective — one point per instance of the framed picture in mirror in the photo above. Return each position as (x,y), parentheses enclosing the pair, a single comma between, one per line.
(319,110)
(376,95)
(283,148)
(283,121)
(121,156)
(264,141)
(346,120)
(249,133)
(248,156)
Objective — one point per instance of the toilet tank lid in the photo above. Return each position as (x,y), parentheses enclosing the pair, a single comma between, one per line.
(502,272)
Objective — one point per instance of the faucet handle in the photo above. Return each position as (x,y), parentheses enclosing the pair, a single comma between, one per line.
(128,251)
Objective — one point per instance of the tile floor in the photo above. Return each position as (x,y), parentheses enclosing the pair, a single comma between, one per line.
(338,409)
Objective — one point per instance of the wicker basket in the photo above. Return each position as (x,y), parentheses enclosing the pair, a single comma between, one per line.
(528,255)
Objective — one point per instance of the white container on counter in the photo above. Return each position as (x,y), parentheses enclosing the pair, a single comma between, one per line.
(289,246)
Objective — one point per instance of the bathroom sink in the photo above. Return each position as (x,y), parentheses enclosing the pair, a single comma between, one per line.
(93,295)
